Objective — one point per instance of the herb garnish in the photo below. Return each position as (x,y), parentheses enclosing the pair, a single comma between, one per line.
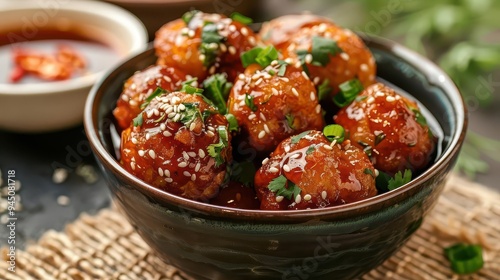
(137,121)
(399,179)
(419,117)
(324,89)
(281,186)
(262,56)
(289,120)
(241,18)
(348,92)
(295,139)
(215,150)
(233,123)
(311,149)
(210,36)
(379,138)
(320,50)
(217,89)
(188,16)
(249,102)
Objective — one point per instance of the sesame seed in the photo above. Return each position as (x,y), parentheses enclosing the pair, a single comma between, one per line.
(307,197)
(294,156)
(211,128)
(182,164)
(266,129)
(262,133)
(323,194)
(322,28)
(148,135)
(201,153)
(333,143)
(201,57)
(251,117)
(166,172)
(309,58)
(266,160)
(167,133)
(163,126)
(312,96)
(149,114)
(186,173)
(316,80)
(370,100)
(197,167)
(251,40)
(181,107)
(141,153)
(297,64)
(376,172)
(285,79)
(212,69)
(327,147)
(160,171)
(171,115)
(275,91)
(289,60)
(390,98)
(169,180)
(262,117)
(318,109)
(286,168)
(134,140)
(185,155)
(279,198)
(177,117)
(258,82)
(193,177)
(298,199)
(347,146)
(152,154)
(273,170)
(210,133)
(241,76)
(287,148)
(305,75)
(295,92)
(191,33)
(175,100)
(133,102)
(344,56)
(232,50)
(167,78)
(363,67)
(132,165)
(244,31)
(192,126)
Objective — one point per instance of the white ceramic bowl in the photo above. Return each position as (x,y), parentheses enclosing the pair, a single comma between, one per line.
(51,106)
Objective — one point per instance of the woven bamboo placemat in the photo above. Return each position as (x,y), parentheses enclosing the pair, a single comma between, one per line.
(105,246)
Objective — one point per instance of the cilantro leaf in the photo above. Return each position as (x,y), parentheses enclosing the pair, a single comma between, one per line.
(215,150)
(321,48)
(349,90)
(217,90)
(233,123)
(282,187)
(262,56)
(399,179)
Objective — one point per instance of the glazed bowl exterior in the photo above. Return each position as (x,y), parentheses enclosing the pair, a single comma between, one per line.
(343,242)
(56,105)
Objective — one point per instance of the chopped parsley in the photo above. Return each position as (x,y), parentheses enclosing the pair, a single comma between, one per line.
(209,36)
(217,89)
(190,114)
(399,179)
(295,139)
(281,186)
(215,150)
(249,102)
(241,18)
(188,16)
(233,123)
(262,56)
(289,120)
(334,132)
(349,90)
(324,89)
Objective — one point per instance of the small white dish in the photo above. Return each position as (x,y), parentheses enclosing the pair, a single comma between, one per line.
(55,105)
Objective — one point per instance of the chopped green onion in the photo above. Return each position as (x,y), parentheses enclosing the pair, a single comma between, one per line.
(217,90)
(137,121)
(188,16)
(209,35)
(310,150)
(324,90)
(348,92)
(289,120)
(366,148)
(334,132)
(249,102)
(399,179)
(379,138)
(301,54)
(465,259)
(262,56)
(295,139)
(419,117)
(241,18)
(281,186)
(191,90)
(158,91)
(369,172)
(233,123)
(282,69)
(271,72)
(321,48)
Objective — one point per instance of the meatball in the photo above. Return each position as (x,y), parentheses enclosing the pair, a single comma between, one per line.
(141,85)
(390,128)
(236,195)
(282,29)
(202,44)
(270,107)
(307,171)
(179,145)
(331,53)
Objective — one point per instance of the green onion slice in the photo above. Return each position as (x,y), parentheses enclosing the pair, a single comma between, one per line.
(241,18)
(465,258)
(348,92)
(249,102)
(233,123)
(188,16)
(334,132)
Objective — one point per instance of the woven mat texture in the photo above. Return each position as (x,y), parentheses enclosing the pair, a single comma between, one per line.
(106,247)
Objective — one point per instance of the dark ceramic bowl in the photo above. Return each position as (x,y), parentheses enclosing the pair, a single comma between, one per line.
(341,242)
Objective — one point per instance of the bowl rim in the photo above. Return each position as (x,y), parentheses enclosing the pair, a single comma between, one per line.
(434,76)
(111,12)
